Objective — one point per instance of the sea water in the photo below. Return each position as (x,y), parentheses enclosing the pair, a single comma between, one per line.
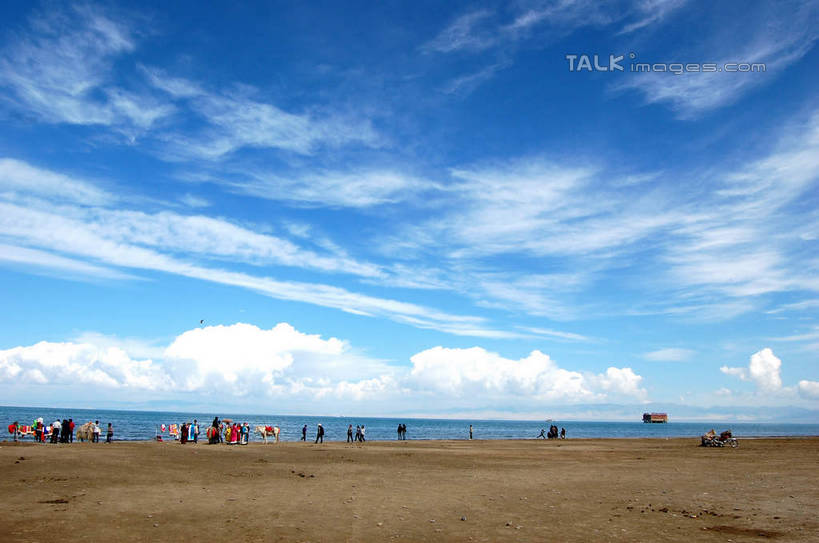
(145,425)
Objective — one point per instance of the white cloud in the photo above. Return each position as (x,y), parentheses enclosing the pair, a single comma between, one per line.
(243,360)
(160,241)
(356,189)
(809,389)
(239,118)
(230,361)
(765,35)
(60,67)
(73,364)
(651,12)
(741,373)
(475,372)
(35,260)
(463,34)
(20,178)
(763,370)
(672,354)
(191,200)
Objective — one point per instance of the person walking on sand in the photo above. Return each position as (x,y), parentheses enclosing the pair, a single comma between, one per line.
(542,434)
(320,433)
(357,433)
(350,433)
(470,431)
(363,439)
(109,434)
(304,433)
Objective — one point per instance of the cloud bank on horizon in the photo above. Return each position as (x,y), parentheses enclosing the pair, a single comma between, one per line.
(488,229)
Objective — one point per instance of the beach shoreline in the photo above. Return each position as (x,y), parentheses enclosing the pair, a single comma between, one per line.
(524,490)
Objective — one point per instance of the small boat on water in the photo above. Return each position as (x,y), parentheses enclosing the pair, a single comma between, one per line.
(655,417)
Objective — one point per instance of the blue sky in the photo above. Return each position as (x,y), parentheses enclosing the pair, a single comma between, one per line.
(409,209)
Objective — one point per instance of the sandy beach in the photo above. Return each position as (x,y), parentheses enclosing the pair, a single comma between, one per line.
(574,490)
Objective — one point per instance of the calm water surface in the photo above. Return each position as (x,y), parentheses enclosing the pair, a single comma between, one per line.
(142,425)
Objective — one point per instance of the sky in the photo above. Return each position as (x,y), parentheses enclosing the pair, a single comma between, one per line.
(460,209)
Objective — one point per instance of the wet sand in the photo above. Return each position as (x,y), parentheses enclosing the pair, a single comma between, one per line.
(573,490)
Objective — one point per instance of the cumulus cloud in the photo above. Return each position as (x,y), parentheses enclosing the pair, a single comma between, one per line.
(244,361)
(464,372)
(234,360)
(764,370)
(72,364)
(809,389)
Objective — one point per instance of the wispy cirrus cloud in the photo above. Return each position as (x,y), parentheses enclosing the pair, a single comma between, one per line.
(60,67)
(774,36)
(713,254)
(651,12)
(328,188)
(64,68)
(240,118)
(185,245)
(464,33)
(670,354)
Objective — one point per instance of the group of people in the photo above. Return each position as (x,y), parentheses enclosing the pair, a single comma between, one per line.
(553,433)
(360,434)
(60,431)
(188,432)
(402,432)
(225,431)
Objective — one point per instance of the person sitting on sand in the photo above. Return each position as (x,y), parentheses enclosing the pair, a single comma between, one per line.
(708,436)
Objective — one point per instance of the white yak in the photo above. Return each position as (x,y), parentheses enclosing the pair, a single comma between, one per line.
(268,431)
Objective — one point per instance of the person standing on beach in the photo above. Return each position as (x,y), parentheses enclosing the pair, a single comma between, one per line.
(64,431)
(362,433)
(109,434)
(470,431)
(562,433)
(55,431)
(304,433)
(357,433)
(71,427)
(97,431)
(404,432)
(195,431)
(399,432)
(320,433)
(15,429)
(350,433)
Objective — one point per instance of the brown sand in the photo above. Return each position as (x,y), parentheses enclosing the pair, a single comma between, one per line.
(575,490)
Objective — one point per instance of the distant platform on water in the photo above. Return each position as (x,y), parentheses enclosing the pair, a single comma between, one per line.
(655,417)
